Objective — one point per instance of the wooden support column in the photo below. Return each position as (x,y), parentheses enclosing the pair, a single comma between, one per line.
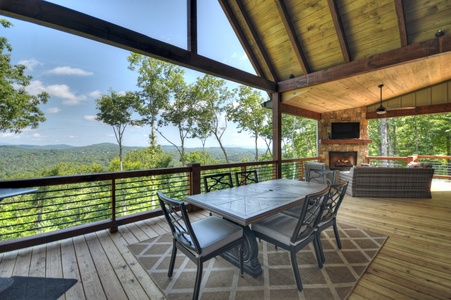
(277,132)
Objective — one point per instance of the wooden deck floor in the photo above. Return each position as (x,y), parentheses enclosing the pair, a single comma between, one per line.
(415,262)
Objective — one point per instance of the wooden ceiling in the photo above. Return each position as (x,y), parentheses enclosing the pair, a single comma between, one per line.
(329,55)
(321,55)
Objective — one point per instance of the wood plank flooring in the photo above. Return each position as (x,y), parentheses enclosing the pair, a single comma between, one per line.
(415,262)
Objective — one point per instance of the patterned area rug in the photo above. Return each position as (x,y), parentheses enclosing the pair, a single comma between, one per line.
(221,280)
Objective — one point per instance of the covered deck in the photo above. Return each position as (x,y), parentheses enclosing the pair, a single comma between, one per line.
(413,264)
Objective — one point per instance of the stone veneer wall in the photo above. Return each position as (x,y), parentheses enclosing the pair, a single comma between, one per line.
(349,115)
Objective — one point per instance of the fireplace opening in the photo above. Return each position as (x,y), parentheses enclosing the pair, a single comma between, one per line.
(343,161)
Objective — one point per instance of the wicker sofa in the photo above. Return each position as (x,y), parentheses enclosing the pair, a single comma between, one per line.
(389,182)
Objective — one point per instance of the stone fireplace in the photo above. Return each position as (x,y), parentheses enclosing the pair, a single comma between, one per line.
(357,146)
(342,160)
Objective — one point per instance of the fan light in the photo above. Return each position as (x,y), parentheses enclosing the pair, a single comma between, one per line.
(381,110)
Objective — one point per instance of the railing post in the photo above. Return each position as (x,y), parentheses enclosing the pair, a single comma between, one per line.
(194,178)
(114,227)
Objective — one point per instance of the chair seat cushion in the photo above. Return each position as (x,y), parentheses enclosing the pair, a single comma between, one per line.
(214,233)
(279,227)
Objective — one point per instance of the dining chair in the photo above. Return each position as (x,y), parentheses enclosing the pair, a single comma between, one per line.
(329,215)
(321,176)
(218,182)
(246,177)
(200,240)
(294,233)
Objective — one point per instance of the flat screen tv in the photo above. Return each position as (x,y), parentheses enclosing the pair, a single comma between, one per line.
(349,130)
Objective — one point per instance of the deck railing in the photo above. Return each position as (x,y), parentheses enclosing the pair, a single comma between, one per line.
(67,206)
(440,163)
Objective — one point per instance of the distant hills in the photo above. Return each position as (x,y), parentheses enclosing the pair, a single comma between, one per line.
(23,159)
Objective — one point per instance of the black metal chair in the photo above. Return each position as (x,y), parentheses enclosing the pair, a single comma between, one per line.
(246,177)
(294,233)
(320,176)
(218,182)
(200,240)
(329,216)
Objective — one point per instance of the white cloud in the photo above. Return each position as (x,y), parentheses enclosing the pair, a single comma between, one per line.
(30,64)
(53,110)
(90,118)
(69,71)
(95,94)
(56,90)
(37,136)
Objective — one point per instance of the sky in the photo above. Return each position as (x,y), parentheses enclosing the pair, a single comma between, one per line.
(76,71)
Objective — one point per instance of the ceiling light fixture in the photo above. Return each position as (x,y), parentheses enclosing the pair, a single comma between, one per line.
(381,110)
(439,33)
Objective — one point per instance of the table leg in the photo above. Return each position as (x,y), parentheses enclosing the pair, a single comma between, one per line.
(251,264)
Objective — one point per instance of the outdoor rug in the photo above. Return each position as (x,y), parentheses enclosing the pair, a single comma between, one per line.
(34,288)
(221,280)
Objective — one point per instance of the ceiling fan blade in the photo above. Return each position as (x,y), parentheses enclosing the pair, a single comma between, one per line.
(400,108)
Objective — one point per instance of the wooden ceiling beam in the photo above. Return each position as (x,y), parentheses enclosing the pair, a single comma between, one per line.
(338,24)
(192,26)
(242,37)
(299,112)
(297,48)
(401,22)
(376,62)
(257,40)
(73,22)
(419,110)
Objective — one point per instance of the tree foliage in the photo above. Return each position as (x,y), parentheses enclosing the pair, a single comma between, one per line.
(116,110)
(248,113)
(18,109)
(404,136)
(157,79)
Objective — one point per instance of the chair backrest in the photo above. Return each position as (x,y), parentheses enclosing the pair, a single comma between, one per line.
(218,182)
(336,195)
(246,177)
(177,217)
(310,216)
(320,176)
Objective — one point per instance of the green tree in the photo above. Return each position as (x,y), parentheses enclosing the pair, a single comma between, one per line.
(18,109)
(156,80)
(248,113)
(213,97)
(181,113)
(116,110)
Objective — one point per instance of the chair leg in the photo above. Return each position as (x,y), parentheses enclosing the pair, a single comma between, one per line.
(319,249)
(337,236)
(198,280)
(172,262)
(294,265)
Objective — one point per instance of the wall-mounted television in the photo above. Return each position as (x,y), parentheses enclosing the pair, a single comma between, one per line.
(348,130)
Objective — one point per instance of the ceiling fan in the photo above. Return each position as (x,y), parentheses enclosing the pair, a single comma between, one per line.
(382,110)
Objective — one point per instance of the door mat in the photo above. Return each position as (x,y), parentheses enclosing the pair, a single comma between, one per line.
(34,288)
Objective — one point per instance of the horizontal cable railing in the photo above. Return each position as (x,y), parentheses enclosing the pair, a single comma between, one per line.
(66,206)
(440,163)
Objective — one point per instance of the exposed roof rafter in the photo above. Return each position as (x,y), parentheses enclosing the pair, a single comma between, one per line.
(401,22)
(297,48)
(240,34)
(338,24)
(257,40)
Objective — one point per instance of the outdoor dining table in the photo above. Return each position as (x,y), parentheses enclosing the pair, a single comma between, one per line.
(247,204)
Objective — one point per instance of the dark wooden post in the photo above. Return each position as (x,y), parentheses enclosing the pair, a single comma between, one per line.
(277,132)
(194,178)
(114,226)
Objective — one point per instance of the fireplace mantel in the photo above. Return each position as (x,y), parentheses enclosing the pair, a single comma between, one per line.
(350,141)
